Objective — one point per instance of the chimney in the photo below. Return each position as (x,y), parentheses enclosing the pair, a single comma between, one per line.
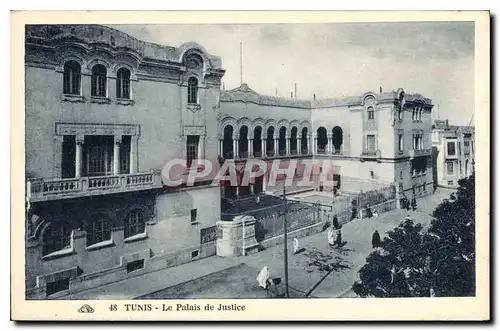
(380,89)
(314,96)
(446,123)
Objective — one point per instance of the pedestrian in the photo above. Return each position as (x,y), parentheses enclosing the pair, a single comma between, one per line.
(335,222)
(375,213)
(338,240)
(295,245)
(414,203)
(263,277)
(376,239)
(331,241)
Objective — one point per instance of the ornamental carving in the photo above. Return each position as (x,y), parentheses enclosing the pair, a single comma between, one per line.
(96,129)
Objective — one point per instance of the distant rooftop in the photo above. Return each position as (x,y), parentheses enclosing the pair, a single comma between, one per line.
(244,93)
(444,125)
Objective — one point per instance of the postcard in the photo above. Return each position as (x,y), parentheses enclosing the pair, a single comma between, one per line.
(278,166)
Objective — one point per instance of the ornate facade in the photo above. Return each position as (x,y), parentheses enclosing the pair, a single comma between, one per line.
(104,113)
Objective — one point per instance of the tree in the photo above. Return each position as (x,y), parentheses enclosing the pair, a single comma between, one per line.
(438,261)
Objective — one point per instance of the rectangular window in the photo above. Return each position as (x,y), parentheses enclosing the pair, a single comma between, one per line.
(451,148)
(194,215)
(125,155)
(400,143)
(191,149)
(370,143)
(123,88)
(57,286)
(99,155)
(459,148)
(449,168)
(424,187)
(136,265)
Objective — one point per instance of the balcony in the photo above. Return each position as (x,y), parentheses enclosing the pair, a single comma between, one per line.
(370,155)
(419,152)
(57,189)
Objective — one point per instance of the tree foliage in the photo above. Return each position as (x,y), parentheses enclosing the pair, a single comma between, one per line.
(417,262)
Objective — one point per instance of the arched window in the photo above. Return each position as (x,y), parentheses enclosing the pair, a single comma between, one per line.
(371,113)
(134,223)
(99,230)
(72,77)
(56,237)
(98,83)
(123,83)
(193,90)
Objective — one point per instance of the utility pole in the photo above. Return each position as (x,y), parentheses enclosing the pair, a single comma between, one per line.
(286,244)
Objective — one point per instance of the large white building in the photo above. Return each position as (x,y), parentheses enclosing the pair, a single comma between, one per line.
(105,112)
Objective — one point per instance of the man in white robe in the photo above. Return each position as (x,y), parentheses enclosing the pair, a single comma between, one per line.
(263,277)
(295,245)
(330,236)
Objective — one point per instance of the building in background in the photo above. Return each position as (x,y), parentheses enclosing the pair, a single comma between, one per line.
(104,113)
(370,140)
(453,153)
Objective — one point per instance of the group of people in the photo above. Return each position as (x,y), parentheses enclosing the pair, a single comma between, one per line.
(407,204)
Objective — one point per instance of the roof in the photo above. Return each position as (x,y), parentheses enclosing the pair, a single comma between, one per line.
(244,93)
(93,34)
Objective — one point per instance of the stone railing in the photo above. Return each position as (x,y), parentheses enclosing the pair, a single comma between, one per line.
(419,152)
(55,189)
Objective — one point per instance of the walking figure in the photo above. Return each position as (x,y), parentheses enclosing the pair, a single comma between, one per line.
(338,241)
(376,239)
(335,222)
(331,241)
(295,246)
(263,278)
(414,203)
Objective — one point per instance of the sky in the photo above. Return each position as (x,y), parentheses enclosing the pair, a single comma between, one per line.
(435,59)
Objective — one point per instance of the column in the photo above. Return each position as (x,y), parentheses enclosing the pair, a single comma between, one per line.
(287,146)
(133,154)
(276,151)
(78,155)
(116,155)
(250,147)
(330,145)
(235,147)
(308,143)
(221,142)
(299,146)
(201,149)
(263,143)
(315,145)
(218,147)
(237,191)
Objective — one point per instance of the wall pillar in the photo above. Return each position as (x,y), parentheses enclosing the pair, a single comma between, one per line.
(299,146)
(235,148)
(308,144)
(250,147)
(330,145)
(78,155)
(276,146)
(263,143)
(116,155)
(287,146)
(133,154)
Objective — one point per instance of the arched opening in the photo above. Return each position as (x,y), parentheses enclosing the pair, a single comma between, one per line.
(293,141)
(72,77)
(123,83)
(282,141)
(322,140)
(257,141)
(303,141)
(227,145)
(270,141)
(98,81)
(193,90)
(243,142)
(337,139)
